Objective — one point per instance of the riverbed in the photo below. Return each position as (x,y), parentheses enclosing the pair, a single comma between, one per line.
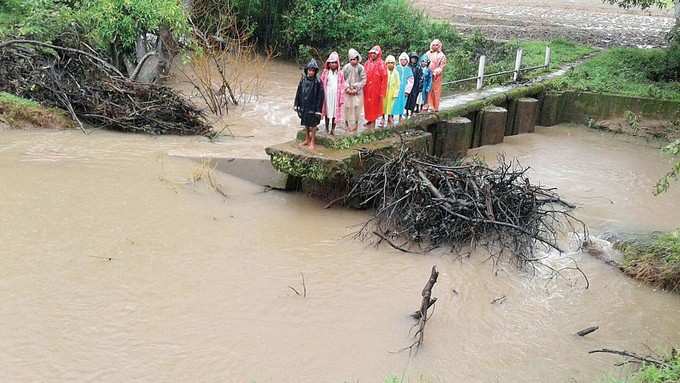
(116,267)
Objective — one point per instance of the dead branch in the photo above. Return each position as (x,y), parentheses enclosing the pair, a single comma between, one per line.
(93,91)
(421,315)
(587,331)
(424,199)
(640,358)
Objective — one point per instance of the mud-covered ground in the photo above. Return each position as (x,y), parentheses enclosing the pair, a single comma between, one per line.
(587,21)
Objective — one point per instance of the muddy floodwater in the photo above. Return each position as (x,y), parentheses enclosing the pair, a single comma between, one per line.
(115,267)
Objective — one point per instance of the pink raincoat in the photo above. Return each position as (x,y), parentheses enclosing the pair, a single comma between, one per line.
(340,90)
(437,65)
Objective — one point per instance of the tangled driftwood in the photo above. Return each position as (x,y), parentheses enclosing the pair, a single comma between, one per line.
(93,91)
(418,198)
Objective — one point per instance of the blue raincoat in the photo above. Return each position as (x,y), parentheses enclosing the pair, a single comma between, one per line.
(405,73)
(426,84)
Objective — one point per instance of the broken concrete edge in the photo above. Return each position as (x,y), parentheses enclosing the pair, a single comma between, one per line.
(319,168)
(18,112)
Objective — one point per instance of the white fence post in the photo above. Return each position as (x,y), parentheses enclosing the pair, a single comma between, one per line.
(480,73)
(548,55)
(518,64)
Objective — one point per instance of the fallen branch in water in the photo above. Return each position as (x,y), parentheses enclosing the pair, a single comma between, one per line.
(635,357)
(421,315)
(587,331)
(304,287)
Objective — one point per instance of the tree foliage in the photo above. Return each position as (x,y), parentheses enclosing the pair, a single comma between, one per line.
(120,23)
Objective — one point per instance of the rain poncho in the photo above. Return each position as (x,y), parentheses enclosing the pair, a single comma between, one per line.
(355,80)
(437,65)
(392,87)
(417,82)
(376,86)
(426,83)
(309,98)
(405,85)
(334,89)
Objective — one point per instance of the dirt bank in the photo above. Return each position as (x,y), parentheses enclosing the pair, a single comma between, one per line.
(587,21)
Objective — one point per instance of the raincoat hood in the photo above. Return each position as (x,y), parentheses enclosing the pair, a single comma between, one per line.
(403,56)
(311,65)
(424,58)
(390,59)
(352,54)
(333,57)
(377,50)
(437,41)
(412,55)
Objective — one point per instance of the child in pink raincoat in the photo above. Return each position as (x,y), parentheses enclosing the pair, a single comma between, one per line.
(437,65)
(333,81)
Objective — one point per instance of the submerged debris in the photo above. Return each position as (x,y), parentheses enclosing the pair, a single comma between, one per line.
(419,198)
(93,91)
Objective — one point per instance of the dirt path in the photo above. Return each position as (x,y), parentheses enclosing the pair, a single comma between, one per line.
(587,21)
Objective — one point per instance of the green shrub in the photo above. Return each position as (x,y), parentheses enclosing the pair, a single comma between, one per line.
(626,71)
(650,373)
(321,26)
(118,23)
(36,19)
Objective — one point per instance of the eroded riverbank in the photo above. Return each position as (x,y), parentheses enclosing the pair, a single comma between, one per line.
(197,285)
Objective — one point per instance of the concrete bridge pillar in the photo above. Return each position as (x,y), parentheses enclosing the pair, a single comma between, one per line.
(452,137)
(490,126)
(522,116)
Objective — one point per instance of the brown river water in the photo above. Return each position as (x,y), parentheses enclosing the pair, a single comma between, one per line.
(114,267)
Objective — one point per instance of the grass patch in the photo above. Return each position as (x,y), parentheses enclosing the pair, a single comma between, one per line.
(463,63)
(626,71)
(655,260)
(10,99)
(653,374)
(19,112)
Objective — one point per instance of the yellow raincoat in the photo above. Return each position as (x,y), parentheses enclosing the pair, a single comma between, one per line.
(392,86)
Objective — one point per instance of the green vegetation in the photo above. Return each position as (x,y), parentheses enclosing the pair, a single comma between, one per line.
(10,99)
(317,27)
(650,373)
(672,149)
(348,142)
(17,111)
(463,63)
(112,26)
(625,71)
(655,260)
(297,167)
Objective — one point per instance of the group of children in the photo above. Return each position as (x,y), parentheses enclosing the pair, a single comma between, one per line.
(382,89)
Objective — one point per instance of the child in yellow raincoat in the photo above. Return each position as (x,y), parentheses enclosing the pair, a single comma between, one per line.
(392,89)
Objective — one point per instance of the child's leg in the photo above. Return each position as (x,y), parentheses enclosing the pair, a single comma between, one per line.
(312,135)
(333,127)
(306,141)
(325,123)
(390,121)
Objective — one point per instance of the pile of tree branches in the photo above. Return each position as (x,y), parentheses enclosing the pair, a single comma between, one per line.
(422,199)
(93,91)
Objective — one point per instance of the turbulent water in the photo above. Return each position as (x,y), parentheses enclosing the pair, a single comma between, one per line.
(116,267)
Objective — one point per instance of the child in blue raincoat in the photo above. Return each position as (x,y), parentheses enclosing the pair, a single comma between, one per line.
(405,86)
(426,83)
